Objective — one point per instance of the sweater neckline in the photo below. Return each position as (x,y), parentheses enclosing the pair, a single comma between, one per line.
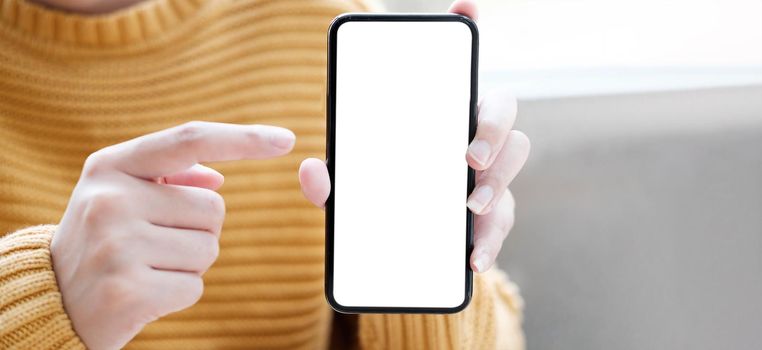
(136,24)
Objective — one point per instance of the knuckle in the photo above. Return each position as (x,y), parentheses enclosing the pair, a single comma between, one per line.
(510,201)
(107,250)
(510,216)
(216,207)
(255,135)
(495,235)
(217,203)
(507,229)
(503,228)
(520,140)
(190,133)
(101,204)
(193,290)
(95,164)
(211,251)
(108,254)
(116,290)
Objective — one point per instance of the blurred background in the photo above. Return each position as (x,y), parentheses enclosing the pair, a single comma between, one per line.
(639,219)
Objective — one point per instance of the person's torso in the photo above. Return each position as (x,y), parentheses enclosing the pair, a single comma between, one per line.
(243,61)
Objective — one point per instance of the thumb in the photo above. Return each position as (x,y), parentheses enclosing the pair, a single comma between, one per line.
(196,176)
(315,181)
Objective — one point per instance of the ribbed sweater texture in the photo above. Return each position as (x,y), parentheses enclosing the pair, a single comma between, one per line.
(72,84)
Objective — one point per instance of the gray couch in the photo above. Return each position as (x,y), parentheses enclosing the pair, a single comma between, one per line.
(639,221)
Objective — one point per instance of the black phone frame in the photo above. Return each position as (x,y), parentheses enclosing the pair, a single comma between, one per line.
(331,157)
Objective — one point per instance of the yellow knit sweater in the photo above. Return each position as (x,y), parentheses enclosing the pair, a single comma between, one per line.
(71,84)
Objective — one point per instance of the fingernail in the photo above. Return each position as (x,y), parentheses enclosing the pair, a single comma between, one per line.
(481,261)
(282,138)
(480,198)
(480,151)
(207,170)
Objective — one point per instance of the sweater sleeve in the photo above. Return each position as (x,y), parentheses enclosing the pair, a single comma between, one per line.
(31,310)
(491,321)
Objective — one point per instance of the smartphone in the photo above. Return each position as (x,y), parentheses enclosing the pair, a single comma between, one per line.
(401,111)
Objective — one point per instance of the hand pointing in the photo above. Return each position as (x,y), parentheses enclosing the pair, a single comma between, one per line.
(143,224)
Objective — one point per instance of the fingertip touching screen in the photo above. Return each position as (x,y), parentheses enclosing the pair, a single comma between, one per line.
(401,112)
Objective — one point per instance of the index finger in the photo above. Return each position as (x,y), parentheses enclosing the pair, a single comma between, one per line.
(173,150)
(497,112)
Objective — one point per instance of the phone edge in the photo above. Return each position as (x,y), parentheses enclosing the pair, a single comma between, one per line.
(331,135)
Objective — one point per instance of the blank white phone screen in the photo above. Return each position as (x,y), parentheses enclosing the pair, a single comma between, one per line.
(403,92)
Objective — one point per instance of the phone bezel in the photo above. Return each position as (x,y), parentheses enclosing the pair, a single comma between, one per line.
(330,155)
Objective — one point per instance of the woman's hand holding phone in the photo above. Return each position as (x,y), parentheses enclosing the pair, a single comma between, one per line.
(497,153)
